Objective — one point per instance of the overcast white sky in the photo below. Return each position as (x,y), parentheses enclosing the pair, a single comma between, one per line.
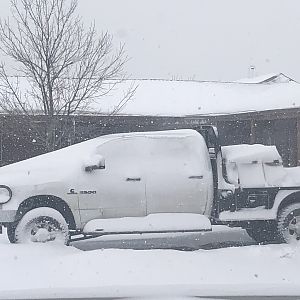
(200,39)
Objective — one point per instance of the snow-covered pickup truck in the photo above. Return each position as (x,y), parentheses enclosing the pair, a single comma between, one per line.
(164,181)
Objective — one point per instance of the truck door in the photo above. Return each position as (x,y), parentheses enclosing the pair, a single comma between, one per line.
(119,187)
(179,176)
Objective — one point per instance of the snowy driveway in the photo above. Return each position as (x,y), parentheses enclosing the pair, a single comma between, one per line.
(32,271)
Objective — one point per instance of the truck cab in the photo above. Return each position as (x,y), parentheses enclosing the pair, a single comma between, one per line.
(176,180)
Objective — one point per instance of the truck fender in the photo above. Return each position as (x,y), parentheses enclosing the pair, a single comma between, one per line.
(47,201)
(284,198)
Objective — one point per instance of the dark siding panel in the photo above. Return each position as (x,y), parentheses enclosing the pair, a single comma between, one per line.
(235,132)
(18,143)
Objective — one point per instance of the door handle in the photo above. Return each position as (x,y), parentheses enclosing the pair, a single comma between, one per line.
(134,179)
(196,177)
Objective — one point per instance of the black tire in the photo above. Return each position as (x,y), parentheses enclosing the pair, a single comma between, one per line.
(289,223)
(42,224)
(11,229)
(264,232)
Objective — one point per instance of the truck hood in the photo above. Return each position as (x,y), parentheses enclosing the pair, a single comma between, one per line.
(50,167)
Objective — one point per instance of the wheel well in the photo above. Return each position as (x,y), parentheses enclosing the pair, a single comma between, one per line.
(47,201)
(290,199)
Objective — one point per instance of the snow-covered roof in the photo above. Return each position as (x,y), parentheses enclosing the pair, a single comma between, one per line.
(267,78)
(178,98)
(194,98)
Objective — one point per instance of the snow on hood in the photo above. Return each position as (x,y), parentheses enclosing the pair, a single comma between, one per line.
(50,166)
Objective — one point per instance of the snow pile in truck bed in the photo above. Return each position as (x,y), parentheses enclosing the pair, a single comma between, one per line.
(152,222)
(250,166)
(292,177)
(248,153)
(242,171)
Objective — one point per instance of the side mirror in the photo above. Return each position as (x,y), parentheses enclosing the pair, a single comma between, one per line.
(95,162)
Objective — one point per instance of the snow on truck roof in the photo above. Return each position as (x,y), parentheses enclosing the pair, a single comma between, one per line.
(90,144)
(180,133)
(68,155)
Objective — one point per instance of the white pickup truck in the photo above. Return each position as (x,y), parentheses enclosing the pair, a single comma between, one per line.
(164,181)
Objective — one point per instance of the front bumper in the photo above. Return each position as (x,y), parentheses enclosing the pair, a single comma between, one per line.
(7,216)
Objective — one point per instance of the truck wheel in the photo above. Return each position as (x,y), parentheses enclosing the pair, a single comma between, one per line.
(263,232)
(42,224)
(289,223)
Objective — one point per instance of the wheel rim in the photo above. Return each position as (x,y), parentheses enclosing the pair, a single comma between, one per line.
(294,227)
(43,229)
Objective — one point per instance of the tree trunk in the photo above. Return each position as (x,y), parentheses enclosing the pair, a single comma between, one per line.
(50,138)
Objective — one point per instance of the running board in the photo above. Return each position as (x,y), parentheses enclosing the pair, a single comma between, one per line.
(99,233)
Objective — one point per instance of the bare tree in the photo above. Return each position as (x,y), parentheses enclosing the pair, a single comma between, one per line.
(65,65)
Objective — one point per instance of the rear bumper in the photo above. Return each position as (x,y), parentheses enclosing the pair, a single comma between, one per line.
(7,216)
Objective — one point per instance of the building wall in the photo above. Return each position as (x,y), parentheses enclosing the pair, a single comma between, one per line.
(18,142)
(279,132)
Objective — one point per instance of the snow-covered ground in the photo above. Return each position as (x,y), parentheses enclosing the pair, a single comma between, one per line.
(32,271)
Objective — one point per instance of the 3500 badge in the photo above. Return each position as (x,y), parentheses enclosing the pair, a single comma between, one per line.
(85,192)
